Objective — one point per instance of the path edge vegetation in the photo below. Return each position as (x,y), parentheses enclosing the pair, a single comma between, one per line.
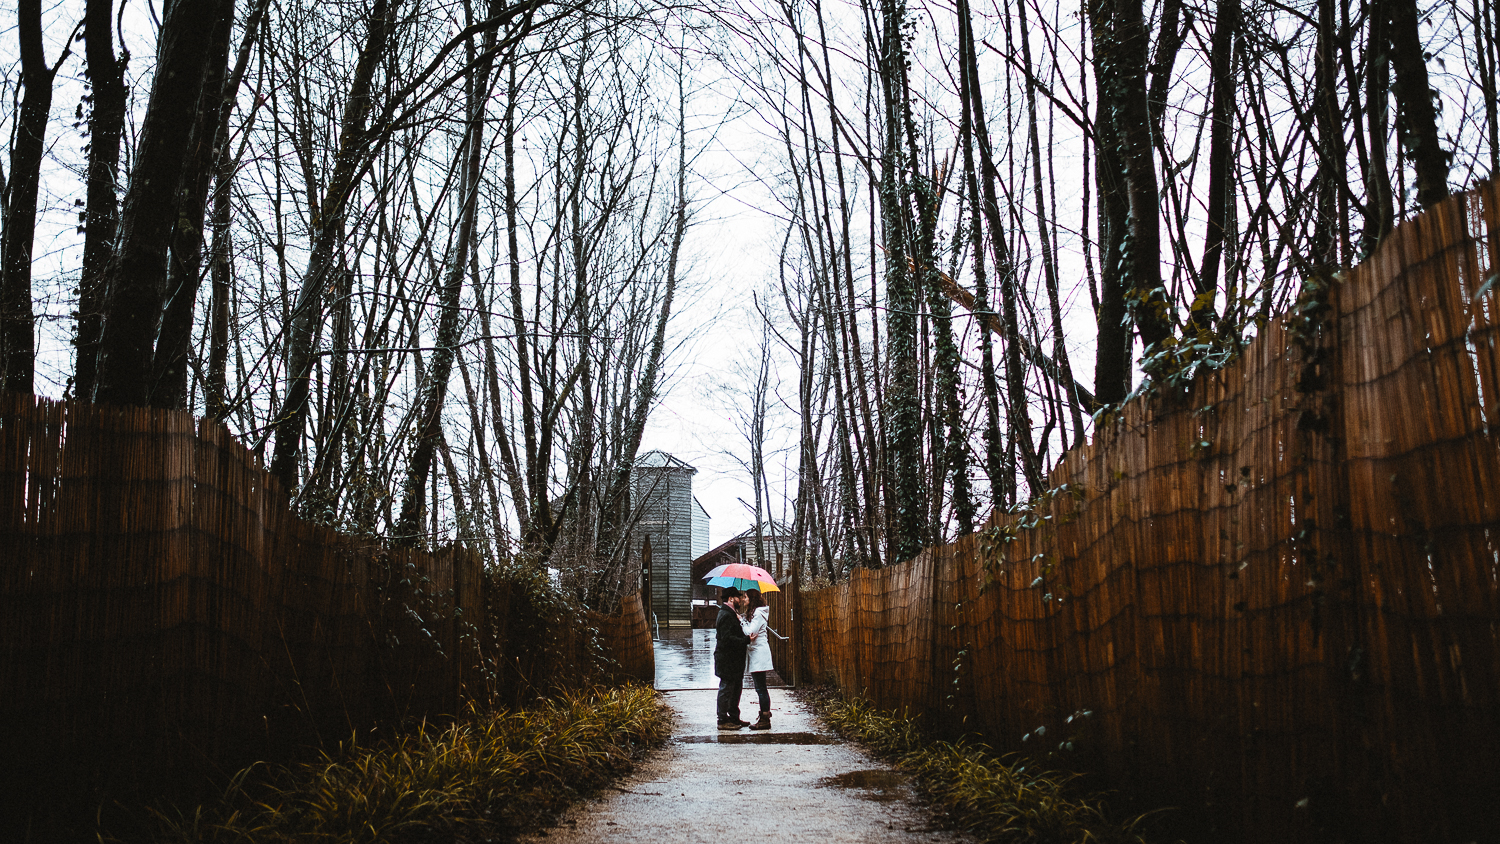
(1000,799)
(489,774)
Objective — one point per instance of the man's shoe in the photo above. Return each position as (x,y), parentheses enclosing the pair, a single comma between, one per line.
(731,725)
(764,723)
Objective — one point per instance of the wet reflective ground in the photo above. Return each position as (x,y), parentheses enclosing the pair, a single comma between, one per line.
(759,738)
(796,782)
(685,660)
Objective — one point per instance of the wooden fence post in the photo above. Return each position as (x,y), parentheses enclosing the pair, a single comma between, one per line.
(794,619)
(646,597)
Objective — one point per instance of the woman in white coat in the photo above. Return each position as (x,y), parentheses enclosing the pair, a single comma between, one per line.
(757,625)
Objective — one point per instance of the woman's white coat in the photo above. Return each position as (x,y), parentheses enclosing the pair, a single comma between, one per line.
(759,654)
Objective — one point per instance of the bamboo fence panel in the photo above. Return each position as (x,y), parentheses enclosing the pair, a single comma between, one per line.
(1270,597)
(627,641)
(162,611)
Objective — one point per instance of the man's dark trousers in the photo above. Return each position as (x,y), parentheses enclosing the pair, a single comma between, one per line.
(730,643)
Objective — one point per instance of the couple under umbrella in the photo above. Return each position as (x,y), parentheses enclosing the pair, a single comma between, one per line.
(741,641)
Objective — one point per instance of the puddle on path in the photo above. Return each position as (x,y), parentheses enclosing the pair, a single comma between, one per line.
(685,659)
(878,785)
(759,738)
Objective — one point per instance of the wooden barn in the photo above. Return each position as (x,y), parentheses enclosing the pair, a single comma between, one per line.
(677,525)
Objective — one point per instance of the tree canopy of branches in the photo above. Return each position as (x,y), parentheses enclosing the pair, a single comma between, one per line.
(426,257)
(442,243)
(988,201)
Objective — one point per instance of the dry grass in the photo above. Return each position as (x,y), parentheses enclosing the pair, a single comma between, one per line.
(486,776)
(995,799)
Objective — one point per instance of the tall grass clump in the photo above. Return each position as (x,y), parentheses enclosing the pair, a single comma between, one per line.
(486,775)
(998,800)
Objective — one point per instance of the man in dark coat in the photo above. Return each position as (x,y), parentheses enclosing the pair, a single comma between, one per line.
(730,643)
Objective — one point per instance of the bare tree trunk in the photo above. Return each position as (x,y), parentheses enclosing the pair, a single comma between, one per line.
(205,157)
(1112,350)
(903,435)
(854,424)
(1414,98)
(1123,64)
(210,160)
(216,390)
(1330,143)
(1018,418)
(106,75)
(290,419)
(1380,210)
(1075,400)
(949,444)
(136,279)
(430,422)
(1002,483)
(1220,146)
(1169,38)
(1484,49)
(18,224)
(528,495)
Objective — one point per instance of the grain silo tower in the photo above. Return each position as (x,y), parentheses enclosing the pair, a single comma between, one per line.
(662,492)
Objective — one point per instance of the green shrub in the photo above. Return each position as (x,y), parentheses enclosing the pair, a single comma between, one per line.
(999,800)
(486,774)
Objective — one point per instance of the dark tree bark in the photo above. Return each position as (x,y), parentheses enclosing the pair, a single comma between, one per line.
(18,225)
(106,75)
(1484,49)
(1414,102)
(1328,224)
(137,273)
(526,486)
(216,390)
(360,138)
(185,257)
(209,160)
(1221,135)
(1120,46)
(1112,369)
(844,357)
(949,443)
(953,461)
(859,426)
(1380,205)
(906,510)
(1171,32)
(1140,255)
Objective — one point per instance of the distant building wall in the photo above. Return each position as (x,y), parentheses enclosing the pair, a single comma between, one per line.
(662,486)
(700,529)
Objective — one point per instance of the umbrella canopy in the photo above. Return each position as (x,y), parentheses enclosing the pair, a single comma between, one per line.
(742,576)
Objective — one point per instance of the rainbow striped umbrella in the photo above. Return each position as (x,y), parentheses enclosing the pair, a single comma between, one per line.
(742,576)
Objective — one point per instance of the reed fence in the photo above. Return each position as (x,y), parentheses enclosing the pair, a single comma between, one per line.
(163,611)
(1270,597)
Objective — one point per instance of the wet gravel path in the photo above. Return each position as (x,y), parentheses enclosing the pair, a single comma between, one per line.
(796,782)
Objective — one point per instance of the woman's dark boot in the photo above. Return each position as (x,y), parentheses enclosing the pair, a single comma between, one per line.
(764,723)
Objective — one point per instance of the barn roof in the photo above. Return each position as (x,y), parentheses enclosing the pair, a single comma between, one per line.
(658,459)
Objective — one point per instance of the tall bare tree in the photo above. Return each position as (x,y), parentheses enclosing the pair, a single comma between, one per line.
(19,209)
